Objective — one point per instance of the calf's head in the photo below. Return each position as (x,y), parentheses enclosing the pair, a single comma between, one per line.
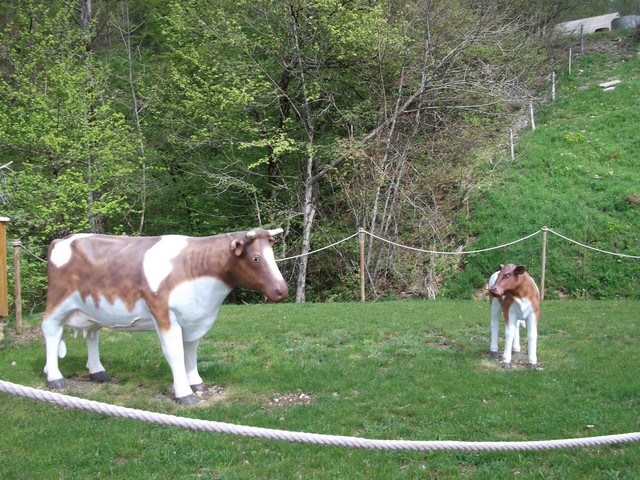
(510,277)
(255,267)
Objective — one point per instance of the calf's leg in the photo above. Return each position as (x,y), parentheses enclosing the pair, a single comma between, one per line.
(532,337)
(495,325)
(510,333)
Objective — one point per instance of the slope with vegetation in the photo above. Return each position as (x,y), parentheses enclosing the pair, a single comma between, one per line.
(578,173)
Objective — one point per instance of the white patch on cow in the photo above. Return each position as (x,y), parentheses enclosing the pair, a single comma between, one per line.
(157,261)
(195,304)
(273,266)
(61,252)
(86,315)
(493,278)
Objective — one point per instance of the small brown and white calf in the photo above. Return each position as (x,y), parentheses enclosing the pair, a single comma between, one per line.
(515,293)
(171,284)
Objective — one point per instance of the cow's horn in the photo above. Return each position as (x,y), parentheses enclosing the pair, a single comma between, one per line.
(251,234)
(275,232)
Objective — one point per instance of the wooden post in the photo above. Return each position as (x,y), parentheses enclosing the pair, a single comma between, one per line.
(544,261)
(361,238)
(4,300)
(533,122)
(553,86)
(581,39)
(17,244)
(570,55)
(513,153)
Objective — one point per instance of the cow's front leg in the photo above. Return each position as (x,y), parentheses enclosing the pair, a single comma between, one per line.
(532,337)
(97,372)
(52,332)
(191,366)
(172,347)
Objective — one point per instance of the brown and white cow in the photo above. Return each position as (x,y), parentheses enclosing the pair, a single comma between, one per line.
(170,284)
(515,293)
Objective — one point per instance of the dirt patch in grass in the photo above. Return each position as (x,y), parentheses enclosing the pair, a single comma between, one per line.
(286,399)
(519,360)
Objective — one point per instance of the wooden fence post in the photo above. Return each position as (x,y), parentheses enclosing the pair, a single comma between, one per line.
(513,152)
(4,300)
(533,121)
(570,55)
(544,261)
(553,86)
(361,238)
(17,244)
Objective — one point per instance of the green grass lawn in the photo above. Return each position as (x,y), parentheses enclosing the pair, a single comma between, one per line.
(398,370)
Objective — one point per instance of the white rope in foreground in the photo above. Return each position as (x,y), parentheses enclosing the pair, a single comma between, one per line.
(300,437)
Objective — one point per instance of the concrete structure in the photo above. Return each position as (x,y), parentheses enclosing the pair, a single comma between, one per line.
(626,21)
(601,23)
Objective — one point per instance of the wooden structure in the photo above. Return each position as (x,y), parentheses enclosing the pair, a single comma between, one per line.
(4,297)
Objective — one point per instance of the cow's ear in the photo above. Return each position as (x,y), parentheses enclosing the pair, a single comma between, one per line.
(236,247)
(272,241)
(520,269)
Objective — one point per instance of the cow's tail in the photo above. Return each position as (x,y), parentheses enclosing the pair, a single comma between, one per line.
(62,349)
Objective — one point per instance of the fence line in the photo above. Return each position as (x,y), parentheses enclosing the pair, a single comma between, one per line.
(463,252)
(459,252)
(302,437)
(593,248)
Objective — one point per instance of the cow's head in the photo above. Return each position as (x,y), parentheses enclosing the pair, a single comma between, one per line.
(509,279)
(255,267)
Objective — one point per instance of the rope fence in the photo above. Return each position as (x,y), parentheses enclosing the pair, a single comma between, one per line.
(302,437)
(323,439)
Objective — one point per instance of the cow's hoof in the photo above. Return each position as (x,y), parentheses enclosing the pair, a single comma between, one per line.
(506,366)
(495,354)
(198,388)
(535,366)
(58,384)
(188,400)
(100,377)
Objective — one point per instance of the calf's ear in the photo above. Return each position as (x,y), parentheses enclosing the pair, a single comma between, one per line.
(236,247)
(520,269)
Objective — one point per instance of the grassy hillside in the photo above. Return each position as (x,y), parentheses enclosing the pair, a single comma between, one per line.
(579,174)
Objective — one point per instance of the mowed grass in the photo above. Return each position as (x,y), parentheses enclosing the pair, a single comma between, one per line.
(407,370)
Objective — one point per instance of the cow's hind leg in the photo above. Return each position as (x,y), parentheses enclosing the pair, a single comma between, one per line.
(97,372)
(52,331)
(191,366)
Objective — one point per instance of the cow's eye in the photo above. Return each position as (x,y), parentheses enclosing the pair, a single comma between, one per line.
(507,275)
(256,259)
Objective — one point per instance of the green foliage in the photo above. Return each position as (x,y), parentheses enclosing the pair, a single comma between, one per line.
(389,370)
